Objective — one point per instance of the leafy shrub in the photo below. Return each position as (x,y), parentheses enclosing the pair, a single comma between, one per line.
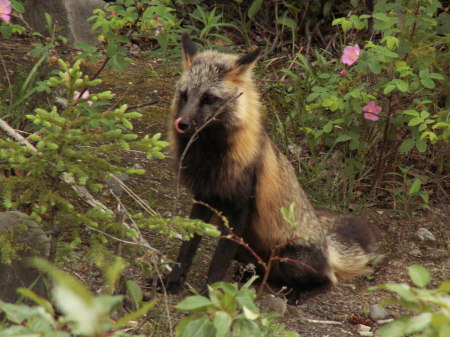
(383,109)
(81,313)
(432,307)
(229,311)
(79,145)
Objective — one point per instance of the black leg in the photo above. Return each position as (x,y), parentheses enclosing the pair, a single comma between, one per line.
(187,252)
(238,218)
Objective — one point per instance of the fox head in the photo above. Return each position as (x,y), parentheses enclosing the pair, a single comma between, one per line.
(211,89)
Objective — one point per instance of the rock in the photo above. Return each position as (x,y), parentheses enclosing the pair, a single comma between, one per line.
(19,273)
(364,330)
(270,303)
(424,234)
(414,250)
(69,15)
(115,186)
(377,312)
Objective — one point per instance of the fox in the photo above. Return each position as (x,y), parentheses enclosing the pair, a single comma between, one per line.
(229,164)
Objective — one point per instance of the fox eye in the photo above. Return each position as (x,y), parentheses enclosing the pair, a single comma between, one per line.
(208,98)
(183,97)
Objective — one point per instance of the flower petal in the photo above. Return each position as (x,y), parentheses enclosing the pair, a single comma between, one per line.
(371,117)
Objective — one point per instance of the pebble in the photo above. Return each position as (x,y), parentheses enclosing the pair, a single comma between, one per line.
(377,312)
(425,234)
(272,303)
(364,330)
(115,186)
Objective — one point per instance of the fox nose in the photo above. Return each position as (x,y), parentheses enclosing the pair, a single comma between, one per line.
(181,125)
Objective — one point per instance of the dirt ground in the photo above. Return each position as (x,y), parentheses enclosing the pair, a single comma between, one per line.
(346,304)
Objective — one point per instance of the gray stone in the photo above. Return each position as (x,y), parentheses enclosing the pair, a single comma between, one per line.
(424,234)
(377,312)
(70,15)
(271,303)
(19,273)
(115,186)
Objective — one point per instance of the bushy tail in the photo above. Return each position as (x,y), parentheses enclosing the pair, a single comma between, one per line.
(352,244)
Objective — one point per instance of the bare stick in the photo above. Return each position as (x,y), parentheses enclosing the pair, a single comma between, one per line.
(324,322)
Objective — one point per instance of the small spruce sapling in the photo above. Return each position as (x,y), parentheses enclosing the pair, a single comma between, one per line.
(81,144)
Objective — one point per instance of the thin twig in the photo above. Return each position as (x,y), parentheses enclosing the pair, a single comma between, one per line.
(143,104)
(7,78)
(324,322)
(135,197)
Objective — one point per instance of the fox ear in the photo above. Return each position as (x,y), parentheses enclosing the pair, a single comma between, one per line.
(244,64)
(189,50)
(248,59)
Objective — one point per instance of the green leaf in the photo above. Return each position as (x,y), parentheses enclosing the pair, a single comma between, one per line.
(380,16)
(288,22)
(404,291)
(28,293)
(311,97)
(419,275)
(415,186)
(393,329)
(444,330)
(445,286)
(328,127)
(402,85)
(135,292)
(244,327)
(388,88)
(419,323)
(291,334)
(424,73)
(199,328)
(415,121)
(436,76)
(407,145)
(193,303)
(249,314)
(254,8)
(411,113)
(17,6)
(125,320)
(421,145)
(428,82)
(222,323)
(424,114)
(343,138)
(375,67)
(17,313)
(346,25)
(327,102)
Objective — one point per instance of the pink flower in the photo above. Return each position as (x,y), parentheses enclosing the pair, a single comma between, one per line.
(85,96)
(343,73)
(5,10)
(351,55)
(371,111)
